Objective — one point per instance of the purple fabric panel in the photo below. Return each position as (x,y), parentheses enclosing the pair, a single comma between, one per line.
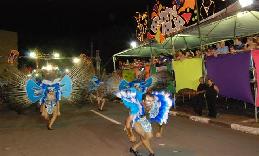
(231,74)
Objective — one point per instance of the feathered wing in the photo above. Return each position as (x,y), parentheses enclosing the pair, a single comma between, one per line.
(144,85)
(66,86)
(93,84)
(123,84)
(114,85)
(14,87)
(131,98)
(153,82)
(80,75)
(34,91)
(148,82)
(161,108)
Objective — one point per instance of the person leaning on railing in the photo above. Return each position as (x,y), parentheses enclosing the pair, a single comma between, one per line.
(222,48)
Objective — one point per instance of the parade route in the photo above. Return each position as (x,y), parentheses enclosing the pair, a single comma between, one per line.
(85,132)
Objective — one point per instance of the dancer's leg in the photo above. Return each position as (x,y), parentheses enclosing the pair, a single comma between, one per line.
(45,113)
(41,108)
(102,104)
(146,143)
(91,97)
(129,131)
(136,146)
(145,137)
(160,131)
(54,117)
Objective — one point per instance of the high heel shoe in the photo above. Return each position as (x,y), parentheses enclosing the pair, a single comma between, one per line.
(151,154)
(49,128)
(136,153)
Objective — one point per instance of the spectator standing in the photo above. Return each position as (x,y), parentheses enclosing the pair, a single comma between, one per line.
(211,97)
(222,48)
(232,49)
(199,98)
(250,44)
(238,45)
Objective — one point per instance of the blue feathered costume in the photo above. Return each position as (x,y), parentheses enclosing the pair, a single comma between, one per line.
(94,84)
(132,99)
(39,91)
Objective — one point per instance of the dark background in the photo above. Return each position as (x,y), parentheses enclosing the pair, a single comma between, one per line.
(69,26)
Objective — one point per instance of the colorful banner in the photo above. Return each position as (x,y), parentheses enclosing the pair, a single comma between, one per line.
(231,74)
(169,18)
(255,54)
(128,75)
(187,73)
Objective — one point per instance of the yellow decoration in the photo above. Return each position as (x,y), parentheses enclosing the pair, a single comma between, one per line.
(128,75)
(159,36)
(187,4)
(187,73)
(142,22)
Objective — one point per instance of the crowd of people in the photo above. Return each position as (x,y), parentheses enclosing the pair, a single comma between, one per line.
(223,47)
(141,63)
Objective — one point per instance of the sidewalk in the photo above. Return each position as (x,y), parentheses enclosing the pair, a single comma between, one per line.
(235,122)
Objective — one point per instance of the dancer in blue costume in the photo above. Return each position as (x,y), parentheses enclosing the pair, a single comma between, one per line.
(131,96)
(156,108)
(148,108)
(49,94)
(131,99)
(96,89)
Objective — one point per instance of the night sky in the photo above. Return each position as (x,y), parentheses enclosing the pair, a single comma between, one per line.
(69,26)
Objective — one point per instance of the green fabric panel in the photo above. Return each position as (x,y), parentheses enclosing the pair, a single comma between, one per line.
(169,67)
(153,70)
(170,88)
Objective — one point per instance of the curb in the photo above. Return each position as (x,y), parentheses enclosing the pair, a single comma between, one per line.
(204,120)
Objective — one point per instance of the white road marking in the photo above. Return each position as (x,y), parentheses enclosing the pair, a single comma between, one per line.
(106,117)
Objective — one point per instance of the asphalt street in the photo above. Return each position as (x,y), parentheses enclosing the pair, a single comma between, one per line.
(84,131)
